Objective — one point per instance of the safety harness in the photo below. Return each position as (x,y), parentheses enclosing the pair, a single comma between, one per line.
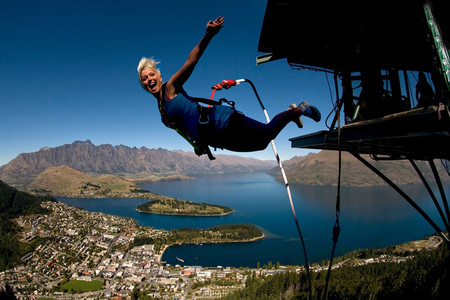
(205,126)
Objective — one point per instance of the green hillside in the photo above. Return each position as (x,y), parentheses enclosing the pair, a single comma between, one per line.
(14,203)
(412,275)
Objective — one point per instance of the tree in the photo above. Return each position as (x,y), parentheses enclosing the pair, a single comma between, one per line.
(135,294)
(7,292)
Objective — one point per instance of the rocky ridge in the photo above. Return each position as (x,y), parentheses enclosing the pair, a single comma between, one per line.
(122,161)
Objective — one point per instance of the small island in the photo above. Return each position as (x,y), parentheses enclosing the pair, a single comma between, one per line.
(173,206)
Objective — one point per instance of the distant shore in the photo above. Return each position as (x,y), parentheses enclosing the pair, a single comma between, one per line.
(136,195)
(154,178)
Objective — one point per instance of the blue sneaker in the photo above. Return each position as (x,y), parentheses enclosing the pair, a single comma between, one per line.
(298,120)
(310,111)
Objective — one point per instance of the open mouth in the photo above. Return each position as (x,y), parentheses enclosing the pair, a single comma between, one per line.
(152,84)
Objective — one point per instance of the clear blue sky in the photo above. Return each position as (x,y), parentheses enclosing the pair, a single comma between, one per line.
(68,71)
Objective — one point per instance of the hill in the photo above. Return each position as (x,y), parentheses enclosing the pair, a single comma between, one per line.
(387,273)
(122,161)
(322,169)
(15,203)
(65,181)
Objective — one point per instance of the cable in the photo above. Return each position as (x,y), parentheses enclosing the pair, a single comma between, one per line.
(336,227)
(287,189)
(328,117)
(333,103)
(227,84)
(445,164)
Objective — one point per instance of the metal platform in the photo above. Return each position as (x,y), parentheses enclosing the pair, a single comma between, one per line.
(419,134)
(355,41)
(329,36)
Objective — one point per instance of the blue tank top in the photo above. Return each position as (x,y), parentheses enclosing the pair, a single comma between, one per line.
(183,111)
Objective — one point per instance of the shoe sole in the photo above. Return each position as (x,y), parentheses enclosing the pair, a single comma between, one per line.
(316,113)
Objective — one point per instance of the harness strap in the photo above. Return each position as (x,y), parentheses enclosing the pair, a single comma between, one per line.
(213,102)
(204,128)
(161,103)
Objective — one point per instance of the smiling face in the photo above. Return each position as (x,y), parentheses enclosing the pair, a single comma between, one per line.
(151,80)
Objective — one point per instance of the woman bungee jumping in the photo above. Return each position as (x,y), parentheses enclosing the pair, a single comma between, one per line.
(219,126)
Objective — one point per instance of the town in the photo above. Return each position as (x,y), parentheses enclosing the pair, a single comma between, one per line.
(93,255)
(94,247)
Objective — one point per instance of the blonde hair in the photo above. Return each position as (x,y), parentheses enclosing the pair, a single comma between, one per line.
(147,64)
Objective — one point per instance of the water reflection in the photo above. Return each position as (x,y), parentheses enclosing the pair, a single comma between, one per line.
(372,204)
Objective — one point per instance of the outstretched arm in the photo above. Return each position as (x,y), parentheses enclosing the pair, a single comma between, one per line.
(175,84)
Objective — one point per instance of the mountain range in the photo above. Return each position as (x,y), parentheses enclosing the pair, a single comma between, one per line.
(143,164)
(123,161)
(322,169)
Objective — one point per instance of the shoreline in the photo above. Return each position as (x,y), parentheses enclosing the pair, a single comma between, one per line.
(186,215)
(159,256)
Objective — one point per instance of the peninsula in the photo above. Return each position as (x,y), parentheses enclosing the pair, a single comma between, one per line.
(173,206)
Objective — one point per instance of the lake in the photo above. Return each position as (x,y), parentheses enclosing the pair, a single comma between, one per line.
(370,217)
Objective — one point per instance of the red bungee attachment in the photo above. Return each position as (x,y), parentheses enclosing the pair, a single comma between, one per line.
(225,84)
(228,83)
(212,94)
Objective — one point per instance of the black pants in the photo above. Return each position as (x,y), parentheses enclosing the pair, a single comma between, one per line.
(244,134)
